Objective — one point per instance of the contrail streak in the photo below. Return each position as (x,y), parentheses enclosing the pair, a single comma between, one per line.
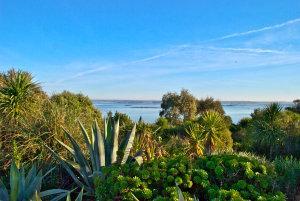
(181,47)
(276,26)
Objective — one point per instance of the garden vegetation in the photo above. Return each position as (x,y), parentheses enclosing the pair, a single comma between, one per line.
(60,147)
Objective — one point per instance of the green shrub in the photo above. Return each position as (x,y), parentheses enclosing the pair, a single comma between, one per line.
(64,110)
(216,177)
(271,131)
(21,117)
(288,175)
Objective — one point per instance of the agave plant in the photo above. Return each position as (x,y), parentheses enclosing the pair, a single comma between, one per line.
(78,198)
(27,187)
(104,150)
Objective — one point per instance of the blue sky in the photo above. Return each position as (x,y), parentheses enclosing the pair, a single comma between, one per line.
(230,49)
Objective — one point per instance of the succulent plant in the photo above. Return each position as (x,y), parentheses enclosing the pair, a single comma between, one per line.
(27,186)
(104,150)
(180,195)
(78,198)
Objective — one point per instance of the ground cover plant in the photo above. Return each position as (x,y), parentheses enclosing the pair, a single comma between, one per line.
(216,177)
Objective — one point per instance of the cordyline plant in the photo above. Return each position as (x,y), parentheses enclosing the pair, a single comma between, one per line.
(104,150)
(27,187)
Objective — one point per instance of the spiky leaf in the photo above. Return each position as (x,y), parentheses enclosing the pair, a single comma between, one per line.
(128,144)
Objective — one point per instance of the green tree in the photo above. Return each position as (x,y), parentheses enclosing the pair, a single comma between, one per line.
(178,107)
(188,105)
(295,107)
(170,107)
(209,103)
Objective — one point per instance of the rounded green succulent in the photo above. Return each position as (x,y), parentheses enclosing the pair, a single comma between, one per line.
(163,165)
(249,173)
(147,193)
(263,169)
(187,177)
(219,171)
(202,173)
(213,193)
(145,174)
(263,183)
(182,168)
(170,179)
(241,184)
(218,177)
(188,184)
(173,171)
(197,179)
(136,181)
(210,165)
(160,198)
(233,163)
(178,180)
(205,183)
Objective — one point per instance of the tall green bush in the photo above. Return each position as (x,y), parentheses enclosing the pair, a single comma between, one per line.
(272,132)
(64,110)
(21,116)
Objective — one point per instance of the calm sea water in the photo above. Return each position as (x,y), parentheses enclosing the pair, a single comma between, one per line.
(149,110)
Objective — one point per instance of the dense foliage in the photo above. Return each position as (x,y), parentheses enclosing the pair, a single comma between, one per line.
(29,118)
(184,106)
(63,110)
(216,177)
(288,177)
(21,116)
(271,131)
(296,107)
(185,146)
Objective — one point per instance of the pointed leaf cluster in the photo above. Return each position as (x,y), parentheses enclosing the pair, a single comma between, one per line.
(104,150)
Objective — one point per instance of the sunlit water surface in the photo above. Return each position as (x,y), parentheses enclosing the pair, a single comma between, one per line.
(149,110)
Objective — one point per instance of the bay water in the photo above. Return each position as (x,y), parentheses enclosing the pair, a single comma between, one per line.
(149,110)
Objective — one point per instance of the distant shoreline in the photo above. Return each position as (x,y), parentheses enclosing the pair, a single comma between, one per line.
(234,101)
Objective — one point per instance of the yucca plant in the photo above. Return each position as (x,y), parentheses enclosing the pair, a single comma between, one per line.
(17,89)
(104,150)
(212,130)
(193,132)
(27,187)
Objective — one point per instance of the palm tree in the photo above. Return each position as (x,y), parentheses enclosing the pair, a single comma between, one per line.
(212,129)
(17,89)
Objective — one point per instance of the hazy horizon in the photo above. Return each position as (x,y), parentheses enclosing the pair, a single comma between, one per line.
(159,100)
